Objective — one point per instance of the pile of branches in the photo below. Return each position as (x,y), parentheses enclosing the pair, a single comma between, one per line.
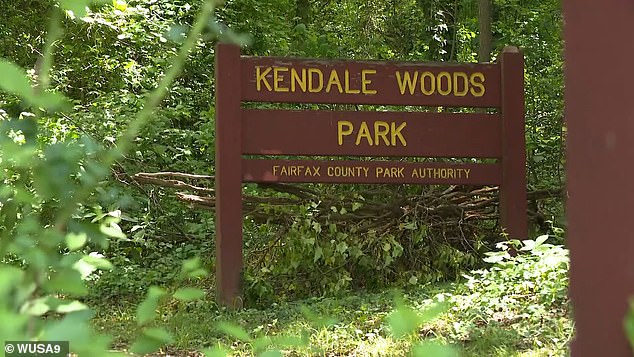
(454,212)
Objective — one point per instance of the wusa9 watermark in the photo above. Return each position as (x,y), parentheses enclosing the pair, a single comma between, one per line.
(36,348)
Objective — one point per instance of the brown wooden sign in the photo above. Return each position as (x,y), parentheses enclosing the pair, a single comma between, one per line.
(599,156)
(396,172)
(331,133)
(372,135)
(290,80)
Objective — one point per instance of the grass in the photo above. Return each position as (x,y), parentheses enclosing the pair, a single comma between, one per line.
(359,325)
(518,306)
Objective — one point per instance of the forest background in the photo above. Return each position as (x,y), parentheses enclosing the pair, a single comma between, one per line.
(79,167)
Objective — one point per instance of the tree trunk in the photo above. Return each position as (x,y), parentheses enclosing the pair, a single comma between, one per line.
(484,20)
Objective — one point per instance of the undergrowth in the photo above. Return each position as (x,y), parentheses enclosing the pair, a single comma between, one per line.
(516,306)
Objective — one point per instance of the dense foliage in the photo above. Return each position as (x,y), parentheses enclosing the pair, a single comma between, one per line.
(92,97)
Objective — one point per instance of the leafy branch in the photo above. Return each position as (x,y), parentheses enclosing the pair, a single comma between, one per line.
(124,142)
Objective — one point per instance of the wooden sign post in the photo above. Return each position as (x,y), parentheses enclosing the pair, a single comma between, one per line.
(599,171)
(364,134)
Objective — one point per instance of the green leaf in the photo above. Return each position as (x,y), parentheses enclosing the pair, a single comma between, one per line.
(51,101)
(74,326)
(405,320)
(496,257)
(191,264)
(410,226)
(66,281)
(271,353)
(120,5)
(189,294)
(315,320)
(77,7)
(158,334)
(628,323)
(97,261)
(319,252)
(541,239)
(71,307)
(145,345)
(197,273)
(260,344)
(290,341)
(112,230)
(89,263)
(75,241)
(37,307)
(13,80)
(215,352)
(529,245)
(147,308)
(233,330)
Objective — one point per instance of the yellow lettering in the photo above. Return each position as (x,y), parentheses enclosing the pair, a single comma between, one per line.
(416,173)
(334,79)
(314,171)
(311,83)
(297,80)
(260,77)
(277,79)
(347,84)
(364,132)
(284,171)
(477,80)
(467,172)
(406,81)
(399,172)
(330,171)
(365,81)
(432,83)
(378,171)
(381,129)
(365,171)
(396,133)
(465,84)
(442,75)
(341,132)
(275,169)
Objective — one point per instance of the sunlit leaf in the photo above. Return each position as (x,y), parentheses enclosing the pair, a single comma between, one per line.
(66,281)
(13,80)
(77,7)
(147,308)
(233,330)
(75,241)
(215,352)
(189,294)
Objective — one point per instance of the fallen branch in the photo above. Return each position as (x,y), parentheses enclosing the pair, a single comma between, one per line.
(379,209)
